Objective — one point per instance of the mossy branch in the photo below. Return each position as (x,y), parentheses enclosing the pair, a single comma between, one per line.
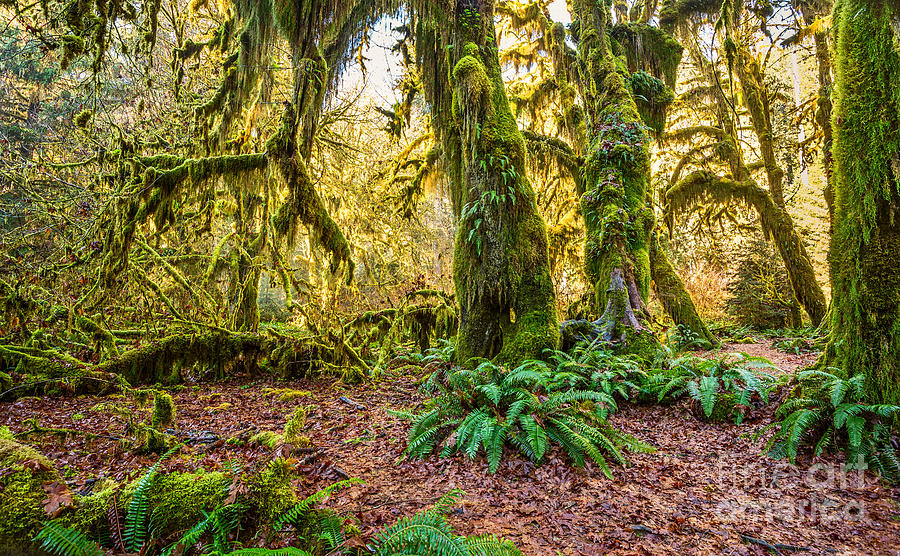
(702,186)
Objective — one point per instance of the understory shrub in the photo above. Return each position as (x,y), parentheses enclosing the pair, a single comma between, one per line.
(526,408)
(828,412)
(721,389)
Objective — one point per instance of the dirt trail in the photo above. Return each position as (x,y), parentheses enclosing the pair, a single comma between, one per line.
(787,362)
(705,487)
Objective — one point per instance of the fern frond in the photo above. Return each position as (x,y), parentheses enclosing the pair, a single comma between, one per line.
(62,541)
(136,520)
(298,511)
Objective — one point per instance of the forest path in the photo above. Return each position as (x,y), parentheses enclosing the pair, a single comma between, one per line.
(786,362)
(707,485)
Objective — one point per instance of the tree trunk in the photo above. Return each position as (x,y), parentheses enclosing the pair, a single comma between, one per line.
(865,248)
(501,267)
(617,212)
(675,299)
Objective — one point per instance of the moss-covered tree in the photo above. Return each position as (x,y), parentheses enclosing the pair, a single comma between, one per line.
(501,265)
(624,75)
(865,247)
(740,186)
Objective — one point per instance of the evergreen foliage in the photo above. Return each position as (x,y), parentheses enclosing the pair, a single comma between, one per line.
(827,412)
(490,407)
(62,541)
(427,533)
(722,389)
(761,294)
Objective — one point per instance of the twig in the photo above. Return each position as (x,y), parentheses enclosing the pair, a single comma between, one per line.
(774,547)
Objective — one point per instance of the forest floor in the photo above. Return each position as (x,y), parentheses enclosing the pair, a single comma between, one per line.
(707,490)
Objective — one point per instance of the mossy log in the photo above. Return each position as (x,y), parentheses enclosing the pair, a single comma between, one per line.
(175,501)
(22,494)
(158,360)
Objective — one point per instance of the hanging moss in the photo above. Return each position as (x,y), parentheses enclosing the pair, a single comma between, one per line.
(675,13)
(649,49)
(652,99)
(703,186)
(865,247)
(83,118)
(99,334)
(304,205)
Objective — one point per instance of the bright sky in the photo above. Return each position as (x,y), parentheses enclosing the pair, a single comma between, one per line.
(383,66)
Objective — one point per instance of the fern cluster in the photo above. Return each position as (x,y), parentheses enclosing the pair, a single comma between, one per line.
(527,408)
(589,367)
(427,533)
(722,388)
(829,412)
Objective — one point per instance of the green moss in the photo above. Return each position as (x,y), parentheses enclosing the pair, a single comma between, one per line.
(90,514)
(269,439)
(865,247)
(501,259)
(179,499)
(22,494)
(303,205)
(293,429)
(154,362)
(83,118)
(285,394)
(652,98)
(163,411)
(649,49)
(271,490)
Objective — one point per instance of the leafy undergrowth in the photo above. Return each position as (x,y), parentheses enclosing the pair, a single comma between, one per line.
(708,488)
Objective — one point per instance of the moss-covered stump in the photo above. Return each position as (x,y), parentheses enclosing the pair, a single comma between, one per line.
(25,471)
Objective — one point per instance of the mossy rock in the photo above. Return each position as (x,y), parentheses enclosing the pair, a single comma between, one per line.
(723,410)
(22,494)
(179,500)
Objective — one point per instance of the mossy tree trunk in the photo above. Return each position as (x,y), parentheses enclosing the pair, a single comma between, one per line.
(501,267)
(675,299)
(617,213)
(865,247)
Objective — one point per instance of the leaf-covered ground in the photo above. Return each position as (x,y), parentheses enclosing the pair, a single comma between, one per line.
(708,489)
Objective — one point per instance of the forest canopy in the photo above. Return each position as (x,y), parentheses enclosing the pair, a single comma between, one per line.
(254,253)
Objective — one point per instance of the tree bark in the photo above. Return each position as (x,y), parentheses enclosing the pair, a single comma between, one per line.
(501,266)
(865,247)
